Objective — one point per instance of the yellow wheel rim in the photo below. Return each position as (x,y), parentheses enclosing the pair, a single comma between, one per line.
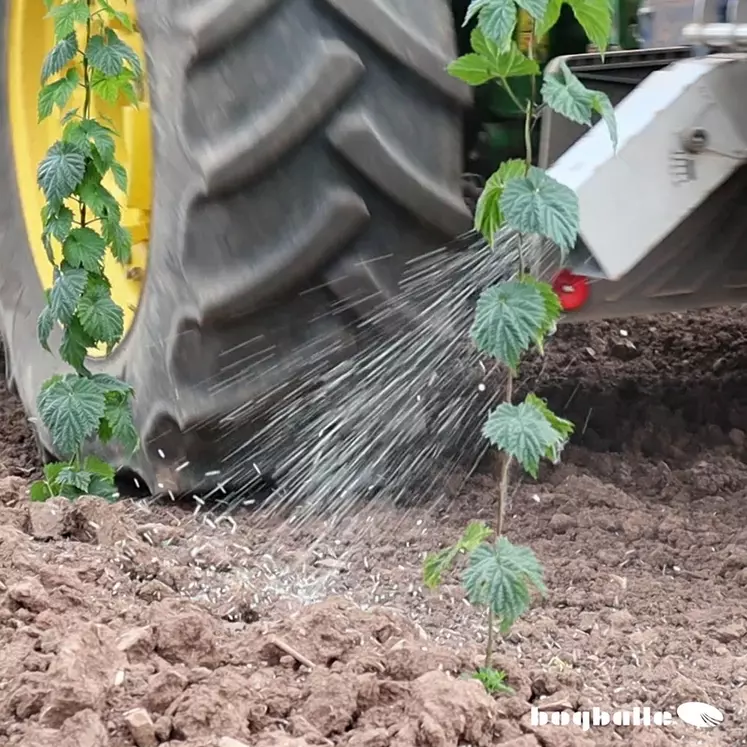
(30,39)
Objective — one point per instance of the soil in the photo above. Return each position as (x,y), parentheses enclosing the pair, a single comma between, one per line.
(142,623)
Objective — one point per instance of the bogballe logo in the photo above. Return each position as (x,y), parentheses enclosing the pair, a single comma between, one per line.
(700,715)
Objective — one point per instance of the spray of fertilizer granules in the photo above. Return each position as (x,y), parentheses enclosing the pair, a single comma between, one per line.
(399,420)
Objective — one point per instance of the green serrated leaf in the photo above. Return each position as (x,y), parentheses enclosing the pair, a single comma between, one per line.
(57,94)
(104,57)
(71,407)
(595,17)
(59,56)
(44,326)
(47,243)
(105,431)
(473,9)
(471,68)
(552,14)
(536,8)
(102,138)
(39,492)
(119,416)
(61,171)
(53,469)
(119,239)
(539,204)
(57,221)
(500,577)
(507,319)
(493,680)
(99,316)
(120,176)
(125,50)
(45,103)
(522,432)
(74,478)
(67,15)
(564,428)
(473,536)
(110,89)
(488,215)
(111,385)
(502,63)
(602,105)
(93,139)
(123,18)
(75,345)
(68,287)
(481,45)
(497,21)
(103,488)
(98,198)
(568,96)
(510,63)
(69,116)
(98,467)
(438,563)
(553,308)
(74,134)
(69,492)
(84,248)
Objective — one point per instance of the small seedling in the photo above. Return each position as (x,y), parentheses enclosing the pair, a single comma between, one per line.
(525,202)
(493,680)
(81,223)
(93,477)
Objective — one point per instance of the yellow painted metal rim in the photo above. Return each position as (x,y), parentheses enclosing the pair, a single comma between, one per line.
(31,36)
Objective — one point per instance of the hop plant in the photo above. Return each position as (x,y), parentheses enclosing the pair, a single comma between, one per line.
(516,315)
(81,223)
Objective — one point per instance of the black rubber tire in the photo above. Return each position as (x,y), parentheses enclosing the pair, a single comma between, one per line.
(305,149)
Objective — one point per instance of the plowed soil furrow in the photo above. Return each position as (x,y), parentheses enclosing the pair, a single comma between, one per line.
(209,631)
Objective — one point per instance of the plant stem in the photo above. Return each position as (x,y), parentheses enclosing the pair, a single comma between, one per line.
(510,91)
(530,54)
(489,646)
(528,124)
(528,136)
(87,100)
(500,513)
(529,111)
(505,464)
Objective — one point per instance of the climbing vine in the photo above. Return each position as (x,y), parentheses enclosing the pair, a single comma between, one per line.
(521,207)
(81,223)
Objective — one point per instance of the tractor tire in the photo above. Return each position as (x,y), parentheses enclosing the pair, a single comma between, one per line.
(304,151)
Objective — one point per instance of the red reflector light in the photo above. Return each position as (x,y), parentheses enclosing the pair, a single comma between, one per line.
(572,290)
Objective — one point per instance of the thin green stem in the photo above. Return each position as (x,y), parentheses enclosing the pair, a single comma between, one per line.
(87,100)
(505,464)
(529,111)
(510,91)
(528,135)
(530,54)
(489,645)
(529,117)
